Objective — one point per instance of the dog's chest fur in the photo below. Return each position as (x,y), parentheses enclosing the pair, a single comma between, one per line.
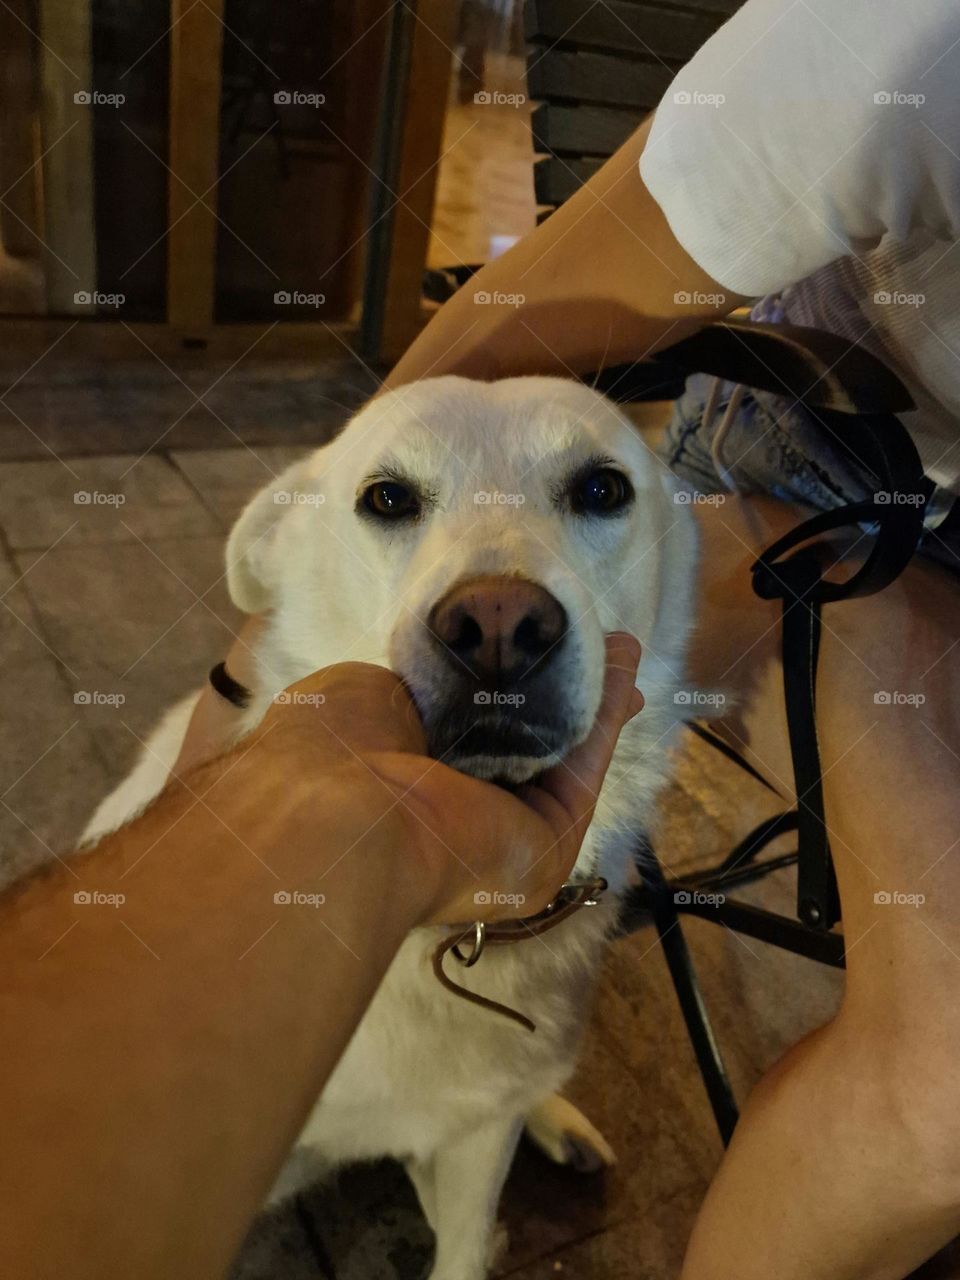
(425,1064)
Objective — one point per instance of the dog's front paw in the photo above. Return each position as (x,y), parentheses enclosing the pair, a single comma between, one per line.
(567,1137)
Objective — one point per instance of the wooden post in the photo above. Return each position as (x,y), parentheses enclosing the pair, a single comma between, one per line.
(70,248)
(421,139)
(196,42)
(20,229)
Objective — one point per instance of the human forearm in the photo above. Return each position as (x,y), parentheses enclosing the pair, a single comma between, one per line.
(122,1129)
(603,281)
(163,1050)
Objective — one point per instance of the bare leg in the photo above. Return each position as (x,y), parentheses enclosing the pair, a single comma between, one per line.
(846,1161)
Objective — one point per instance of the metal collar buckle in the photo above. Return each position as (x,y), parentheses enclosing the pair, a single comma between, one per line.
(570,896)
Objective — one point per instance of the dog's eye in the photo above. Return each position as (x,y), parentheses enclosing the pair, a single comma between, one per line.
(389,500)
(601,492)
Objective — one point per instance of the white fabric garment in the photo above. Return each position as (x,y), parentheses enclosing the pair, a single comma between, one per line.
(812,149)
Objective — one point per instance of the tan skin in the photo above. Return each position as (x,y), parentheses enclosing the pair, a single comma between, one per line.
(845,1163)
(161,1055)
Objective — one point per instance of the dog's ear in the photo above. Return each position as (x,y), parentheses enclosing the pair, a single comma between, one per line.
(252,539)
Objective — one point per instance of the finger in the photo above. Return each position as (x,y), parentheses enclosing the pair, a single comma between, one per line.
(575,783)
(366,707)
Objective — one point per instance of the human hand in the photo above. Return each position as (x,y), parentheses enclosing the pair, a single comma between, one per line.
(353,730)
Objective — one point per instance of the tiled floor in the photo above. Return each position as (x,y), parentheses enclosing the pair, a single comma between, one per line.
(129,406)
(128,601)
(112,522)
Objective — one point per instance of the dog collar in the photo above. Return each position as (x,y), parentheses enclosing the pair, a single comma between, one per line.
(224,684)
(570,898)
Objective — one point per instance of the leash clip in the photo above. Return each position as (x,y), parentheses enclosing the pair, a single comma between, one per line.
(476,951)
(570,898)
(573,894)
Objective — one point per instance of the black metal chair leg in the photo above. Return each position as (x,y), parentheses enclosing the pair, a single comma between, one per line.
(683,975)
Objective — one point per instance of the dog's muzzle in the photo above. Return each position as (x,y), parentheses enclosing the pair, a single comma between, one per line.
(500,711)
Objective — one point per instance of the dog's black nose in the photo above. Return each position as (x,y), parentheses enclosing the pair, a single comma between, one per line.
(499,627)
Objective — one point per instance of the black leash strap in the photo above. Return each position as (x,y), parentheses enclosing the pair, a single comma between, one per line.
(896,514)
(818,902)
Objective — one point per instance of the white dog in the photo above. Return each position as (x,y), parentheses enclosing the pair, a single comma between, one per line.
(480,540)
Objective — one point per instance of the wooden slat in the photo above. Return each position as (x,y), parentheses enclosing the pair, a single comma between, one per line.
(581,130)
(20,229)
(596,77)
(645,30)
(556,180)
(431,56)
(66,127)
(196,40)
(362,69)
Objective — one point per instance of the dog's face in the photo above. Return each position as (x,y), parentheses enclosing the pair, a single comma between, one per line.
(478,538)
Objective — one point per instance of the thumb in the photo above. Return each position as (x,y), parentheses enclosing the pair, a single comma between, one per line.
(574,784)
